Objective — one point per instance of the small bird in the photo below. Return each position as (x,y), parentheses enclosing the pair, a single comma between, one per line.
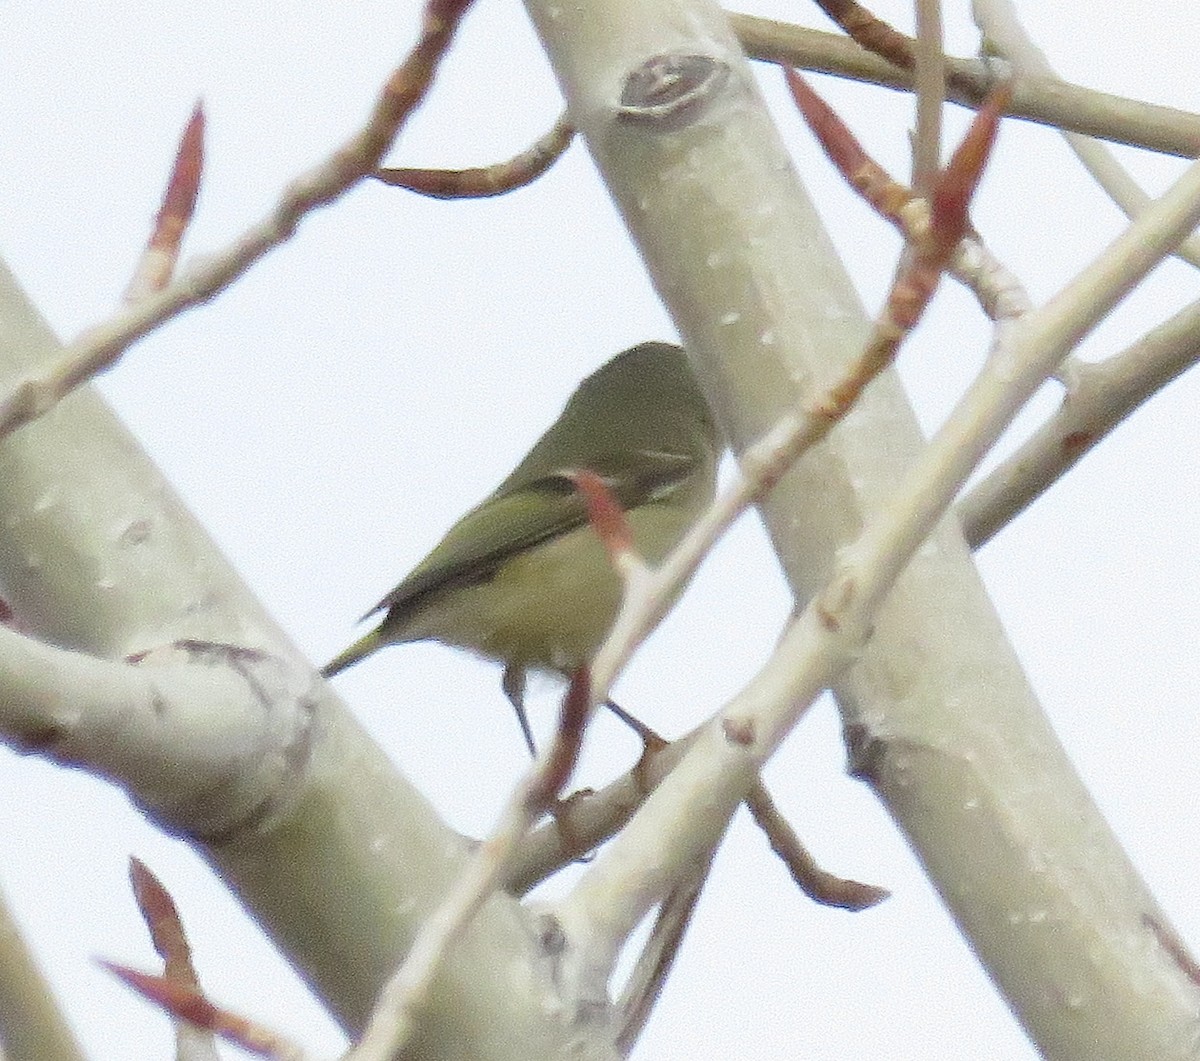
(523,578)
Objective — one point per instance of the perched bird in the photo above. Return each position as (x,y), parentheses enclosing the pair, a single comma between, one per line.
(523,578)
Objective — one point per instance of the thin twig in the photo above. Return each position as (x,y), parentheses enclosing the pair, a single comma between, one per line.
(186,1003)
(403,997)
(1048,101)
(164,924)
(484,181)
(586,820)
(100,347)
(930,76)
(1004,34)
(999,293)
(166,933)
(865,28)
(582,830)
(1099,396)
(817,883)
(658,955)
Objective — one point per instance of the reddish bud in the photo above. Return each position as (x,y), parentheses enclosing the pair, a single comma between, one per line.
(839,143)
(604,513)
(955,186)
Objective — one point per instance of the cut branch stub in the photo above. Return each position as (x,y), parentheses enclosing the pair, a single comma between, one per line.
(671,91)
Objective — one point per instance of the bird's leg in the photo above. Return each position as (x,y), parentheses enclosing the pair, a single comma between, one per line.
(651,741)
(513,684)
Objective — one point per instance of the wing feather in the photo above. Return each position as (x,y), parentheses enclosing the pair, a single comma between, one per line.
(522,517)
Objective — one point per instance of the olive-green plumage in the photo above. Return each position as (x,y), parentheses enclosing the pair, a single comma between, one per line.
(523,578)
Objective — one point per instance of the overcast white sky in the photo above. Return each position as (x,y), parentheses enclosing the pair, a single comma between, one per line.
(331,415)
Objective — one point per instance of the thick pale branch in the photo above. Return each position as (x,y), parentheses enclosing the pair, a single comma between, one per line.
(31,1024)
(959,751)
(201,735)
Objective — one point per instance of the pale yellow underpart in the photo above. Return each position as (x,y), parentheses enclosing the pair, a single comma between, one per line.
(548,608)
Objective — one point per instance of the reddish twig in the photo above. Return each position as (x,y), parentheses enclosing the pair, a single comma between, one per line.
(952,193)
(562,755)
(958,247)
(480,182)
(879,37)
(817,883)
(188,1004)
(872,33)
(880,190)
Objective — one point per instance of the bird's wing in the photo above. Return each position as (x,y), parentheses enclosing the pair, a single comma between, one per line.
(522,516)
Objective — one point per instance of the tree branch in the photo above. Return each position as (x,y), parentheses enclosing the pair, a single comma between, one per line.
(102,345)
(31,1024)
(1046,100)
(1099,396)
(960,751)
(1004,34)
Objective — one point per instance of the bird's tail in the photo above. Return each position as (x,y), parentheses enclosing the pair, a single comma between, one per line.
(364,646)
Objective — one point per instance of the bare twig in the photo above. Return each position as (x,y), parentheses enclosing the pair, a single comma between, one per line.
(930,76)
(99,347)
(999,293)
(193,1042)
(403,997)
(1004,34)
(658,756)
(763,463)
(1174,946)
(817,883)
(484,181)
(1048,101)
(821,886)
(186,1003)
(162,919)
(932,246)
(871,32)
(1099,396)
(658,955)
(586,820)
